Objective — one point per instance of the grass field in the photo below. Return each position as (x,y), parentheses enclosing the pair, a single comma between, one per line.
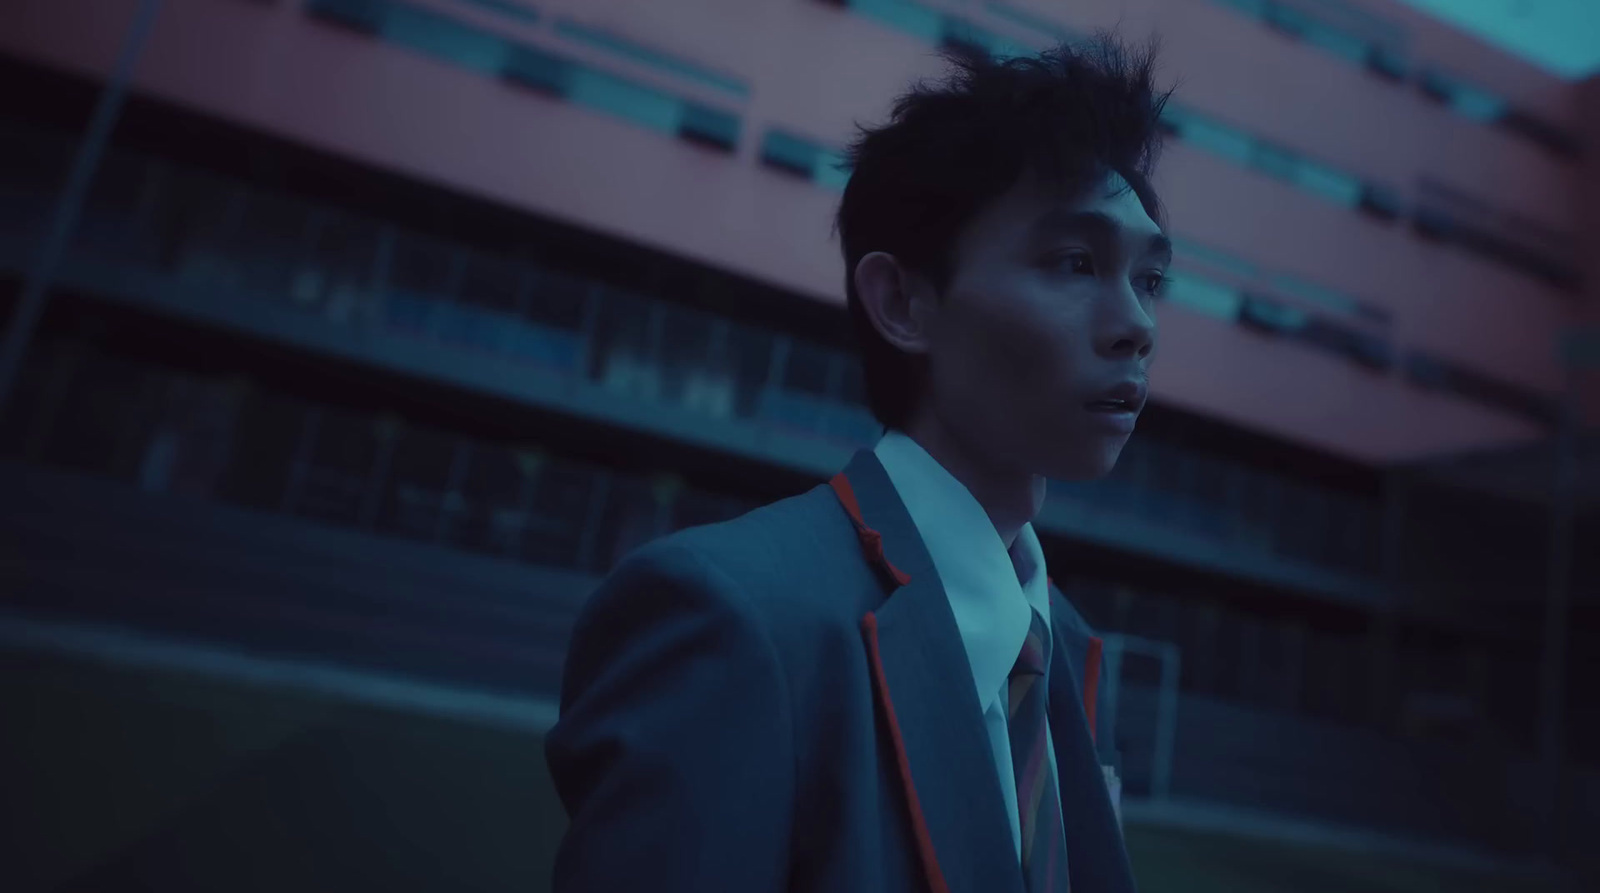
(188,783)
(1184,861)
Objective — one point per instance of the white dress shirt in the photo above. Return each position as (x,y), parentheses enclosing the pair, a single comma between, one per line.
(993,592)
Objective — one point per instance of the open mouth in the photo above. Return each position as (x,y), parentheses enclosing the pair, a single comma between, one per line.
(1111,405)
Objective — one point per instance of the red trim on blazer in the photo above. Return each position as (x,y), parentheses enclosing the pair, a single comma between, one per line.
(919,824)
(871,540)
(1091,677)
(1091,682)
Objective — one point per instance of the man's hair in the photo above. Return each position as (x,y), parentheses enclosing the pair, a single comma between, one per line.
(1069,116)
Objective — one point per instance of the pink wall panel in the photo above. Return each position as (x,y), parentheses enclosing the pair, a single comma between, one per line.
(1220,369)
(1330,110)
(815,70)
(1442,300)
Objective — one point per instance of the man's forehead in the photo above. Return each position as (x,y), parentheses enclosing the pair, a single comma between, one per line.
(1111,196)
(1122,212)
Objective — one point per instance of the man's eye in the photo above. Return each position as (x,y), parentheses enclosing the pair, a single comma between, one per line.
(1074,262)
(1152,283)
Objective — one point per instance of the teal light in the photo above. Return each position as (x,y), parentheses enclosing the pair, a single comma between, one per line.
(652,57)
(1335,186)
(1556,35)
(1030,21)
(1218,139)
(625,99)
(1222,260)
(789,152)
(1205,296)
(508,8)
(1326,297)
(906,15)
(829,171)
(428,32)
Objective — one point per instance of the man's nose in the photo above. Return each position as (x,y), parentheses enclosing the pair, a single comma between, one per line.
(1127,328)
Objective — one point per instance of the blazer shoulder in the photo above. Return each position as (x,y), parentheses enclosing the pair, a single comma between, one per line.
(795,566)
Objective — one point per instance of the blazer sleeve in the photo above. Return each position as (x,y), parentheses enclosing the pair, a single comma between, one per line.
(674,751)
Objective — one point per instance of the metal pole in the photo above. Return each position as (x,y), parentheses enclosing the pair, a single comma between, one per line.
(35,291)
(1166,722)
(1552,669)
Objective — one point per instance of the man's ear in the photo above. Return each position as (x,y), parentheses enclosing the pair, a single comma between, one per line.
(895,300)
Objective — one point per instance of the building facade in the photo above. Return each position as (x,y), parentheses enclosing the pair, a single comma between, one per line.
(540,281)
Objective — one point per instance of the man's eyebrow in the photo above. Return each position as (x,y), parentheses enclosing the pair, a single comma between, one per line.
(1097,225)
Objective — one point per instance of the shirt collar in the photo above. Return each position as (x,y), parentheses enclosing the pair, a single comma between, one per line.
(993,593)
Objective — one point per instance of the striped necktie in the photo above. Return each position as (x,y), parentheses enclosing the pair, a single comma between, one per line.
(1044,844)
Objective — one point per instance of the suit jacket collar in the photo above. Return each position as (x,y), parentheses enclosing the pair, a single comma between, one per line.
(990,589)
(926,691)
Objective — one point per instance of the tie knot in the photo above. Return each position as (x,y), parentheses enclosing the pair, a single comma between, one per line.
(1035,649)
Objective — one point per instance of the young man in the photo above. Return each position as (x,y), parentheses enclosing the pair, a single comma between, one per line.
(873,686)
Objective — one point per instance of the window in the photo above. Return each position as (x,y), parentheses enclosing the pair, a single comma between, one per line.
(509,8)
(1329,298)
(444,38)
(905,15)
(640,53)
(1221,260)
(1344,31)
(561,513)
(1204,296)
(935,27)
(1363,347)
(804,158)
(341,452)
(1266,315)
(429,32)
(1385,63)
(1480,105)
(708,126)
(832,171)
(608,93)
(1051,30)
(416,497)
(1463,98)
(1269,316)
(1327,183)
(1275,161)
(789,153)
(1216,138)
(1448,214)
(960,33)
(1441,375)
(539,70)
(1379,201)
(364,16)
(1542,133)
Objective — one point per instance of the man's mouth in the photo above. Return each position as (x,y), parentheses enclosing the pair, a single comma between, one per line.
(1110,405)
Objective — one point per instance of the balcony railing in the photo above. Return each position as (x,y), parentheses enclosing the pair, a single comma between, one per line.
(165,237)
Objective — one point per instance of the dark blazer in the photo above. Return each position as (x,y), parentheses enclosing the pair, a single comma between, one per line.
(782,702)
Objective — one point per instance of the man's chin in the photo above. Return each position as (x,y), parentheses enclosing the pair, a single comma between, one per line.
(1083,465)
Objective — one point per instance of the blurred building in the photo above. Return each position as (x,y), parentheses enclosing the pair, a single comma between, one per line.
(389,325)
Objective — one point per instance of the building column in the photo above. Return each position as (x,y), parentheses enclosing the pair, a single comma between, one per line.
(1385,637)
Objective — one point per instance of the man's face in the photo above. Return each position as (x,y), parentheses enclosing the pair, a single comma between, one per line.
(1038,349)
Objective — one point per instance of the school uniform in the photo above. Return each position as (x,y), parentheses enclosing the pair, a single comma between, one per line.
(857,688)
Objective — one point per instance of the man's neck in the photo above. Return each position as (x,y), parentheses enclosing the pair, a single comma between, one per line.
(1010,498)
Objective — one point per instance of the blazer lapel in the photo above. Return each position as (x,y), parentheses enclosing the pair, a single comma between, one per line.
(924,691)
(1097,858)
